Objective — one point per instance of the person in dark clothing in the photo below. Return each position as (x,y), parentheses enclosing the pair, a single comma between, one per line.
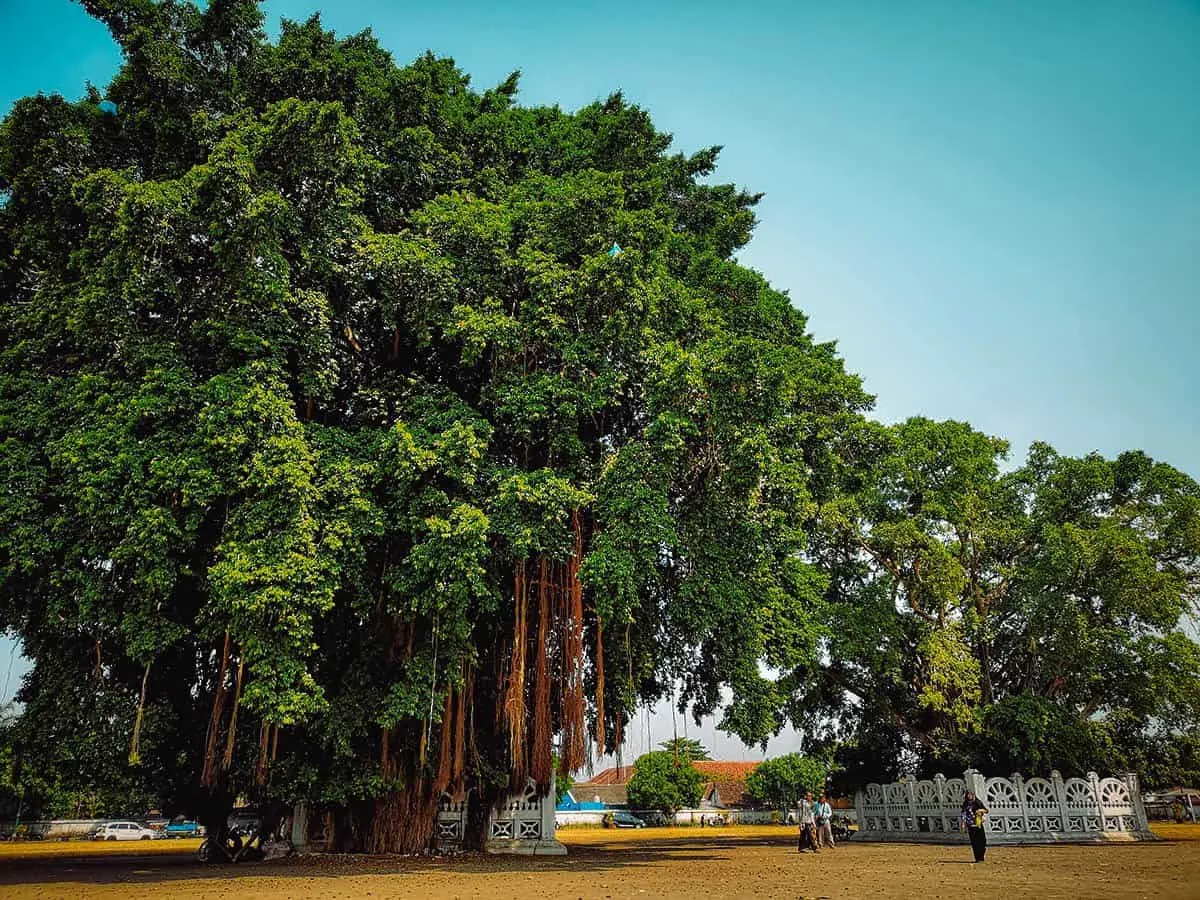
(972,815)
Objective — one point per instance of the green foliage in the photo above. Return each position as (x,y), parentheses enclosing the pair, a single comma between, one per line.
(688,749)
(310,348)
(662,782)
(1021,620)
(782,780)
(563,783)
(1170,759)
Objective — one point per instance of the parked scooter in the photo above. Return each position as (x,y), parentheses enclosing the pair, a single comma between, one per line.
(243,842)
(840,825)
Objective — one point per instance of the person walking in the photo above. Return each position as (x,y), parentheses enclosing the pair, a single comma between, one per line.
(971,816)
(808,818)
(823,816)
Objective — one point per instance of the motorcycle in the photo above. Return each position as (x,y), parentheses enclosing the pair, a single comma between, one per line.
(244,842)
(840,825)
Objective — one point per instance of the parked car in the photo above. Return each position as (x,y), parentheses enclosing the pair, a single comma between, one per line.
(123,831)
(179,827)
(653,818)
(618,818)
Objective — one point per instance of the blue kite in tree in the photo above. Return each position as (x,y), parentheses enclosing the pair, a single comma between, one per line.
(615,249)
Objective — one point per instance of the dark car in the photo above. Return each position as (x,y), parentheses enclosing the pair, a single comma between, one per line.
(618,818)
(652,818)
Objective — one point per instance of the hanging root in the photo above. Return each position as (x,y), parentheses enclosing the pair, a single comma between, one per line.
(541,765)
(384,757)
(514,700)
(573,736)
(600,735)
(442,780)
(208,775)
(135,757)
(264,740)
(227,762)
(405,820)
(458,764)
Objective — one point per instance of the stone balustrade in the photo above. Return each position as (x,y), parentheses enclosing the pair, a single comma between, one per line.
(523,824)
(1021,811)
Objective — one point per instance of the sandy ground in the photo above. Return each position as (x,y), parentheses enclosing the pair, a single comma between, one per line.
(734,862)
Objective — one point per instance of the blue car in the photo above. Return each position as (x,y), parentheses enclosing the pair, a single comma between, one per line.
(183,828)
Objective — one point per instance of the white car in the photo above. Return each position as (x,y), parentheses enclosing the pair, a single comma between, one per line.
(123,831)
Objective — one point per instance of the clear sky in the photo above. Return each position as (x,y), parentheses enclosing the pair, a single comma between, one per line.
(994,208)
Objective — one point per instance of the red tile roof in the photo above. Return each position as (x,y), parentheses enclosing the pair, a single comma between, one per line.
(728,778)
(726,774)
(724,771)
(616,775)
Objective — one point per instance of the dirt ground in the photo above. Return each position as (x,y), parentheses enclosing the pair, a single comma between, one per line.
(734,862)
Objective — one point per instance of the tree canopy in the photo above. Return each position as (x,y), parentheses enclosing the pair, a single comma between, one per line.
(783,780)
(663,782)
(365,436)
(344,455)
(686,748)
(1013,620)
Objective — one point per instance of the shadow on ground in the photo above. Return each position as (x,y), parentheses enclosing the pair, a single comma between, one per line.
(161,867)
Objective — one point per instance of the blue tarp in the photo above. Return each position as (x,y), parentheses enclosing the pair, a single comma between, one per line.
(570,804)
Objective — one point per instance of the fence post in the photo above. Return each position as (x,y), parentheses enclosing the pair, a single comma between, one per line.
(1093,781)
(939,784)
(976,784)
(1060,795)
(300,825)
(887,812)
(1141,821)
(859,807)
(1019,786)
(911,785)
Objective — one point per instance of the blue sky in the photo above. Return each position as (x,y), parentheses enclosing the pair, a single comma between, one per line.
(993,208)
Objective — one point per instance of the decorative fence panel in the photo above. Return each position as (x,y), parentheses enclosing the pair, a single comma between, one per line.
(524,823)
(1019,811)
(451,823)
(519,819)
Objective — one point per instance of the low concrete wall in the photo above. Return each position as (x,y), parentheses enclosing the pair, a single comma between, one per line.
(1020,811)
(690,817)
(54,829)
(580,817)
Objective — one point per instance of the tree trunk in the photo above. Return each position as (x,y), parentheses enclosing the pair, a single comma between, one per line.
(404,821)
(480,804)
(212,811)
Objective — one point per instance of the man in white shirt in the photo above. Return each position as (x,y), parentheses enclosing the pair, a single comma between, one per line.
(823,815)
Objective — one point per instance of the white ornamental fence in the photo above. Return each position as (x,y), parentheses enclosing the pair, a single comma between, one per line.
(524,824)
(1034,811)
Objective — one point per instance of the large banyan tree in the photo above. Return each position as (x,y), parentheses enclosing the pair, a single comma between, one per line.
(364,437)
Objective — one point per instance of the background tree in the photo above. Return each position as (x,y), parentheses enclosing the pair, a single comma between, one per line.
(1170,760)
(686,748)
(782,780)
(344,457)
(662,782)
(1017,620)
